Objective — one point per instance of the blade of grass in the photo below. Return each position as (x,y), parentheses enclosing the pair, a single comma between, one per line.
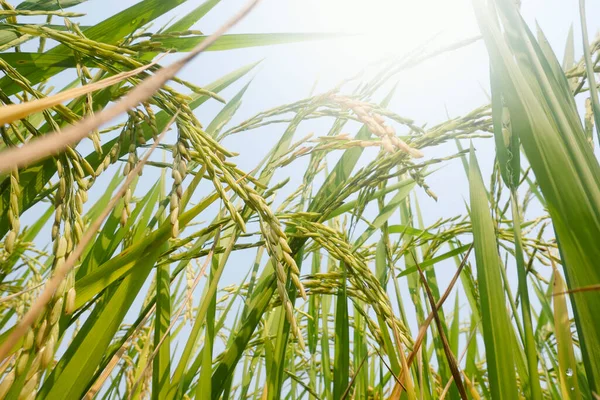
(589,67)
(161,371)
(501,367)
(192,17)
(567,364)
(341,366)
(508,154)
(204,390)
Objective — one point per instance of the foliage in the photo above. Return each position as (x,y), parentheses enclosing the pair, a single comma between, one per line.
(319,310)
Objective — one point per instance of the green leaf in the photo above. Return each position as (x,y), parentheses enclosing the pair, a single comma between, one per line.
(112,233)
(187,21)
(350,205)
(508,153)
(31,62)
(242,40)
(508,149)
(381,270)
(124,263)
(432,261)
(567,363)
(569,56)
(455,327)
(563,162)
(325,347)
(226,113)
(201,314)
(229,359)
(589,67)
(497,340)
(204,389)
(71,376)
(341,366)
(410,231)
(161,371)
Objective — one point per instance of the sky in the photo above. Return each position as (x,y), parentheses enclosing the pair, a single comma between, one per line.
(452,84)
(449,85)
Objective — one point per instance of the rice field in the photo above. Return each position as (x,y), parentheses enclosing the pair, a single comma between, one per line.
(125,218)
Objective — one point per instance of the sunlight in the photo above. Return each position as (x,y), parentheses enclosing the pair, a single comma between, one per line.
(390,27)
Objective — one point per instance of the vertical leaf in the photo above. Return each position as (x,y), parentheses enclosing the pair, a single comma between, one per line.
(567,364)
(563,162)
(589,67)
(341,366)
(495,319)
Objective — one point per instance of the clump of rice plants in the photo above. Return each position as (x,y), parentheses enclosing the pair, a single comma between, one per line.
(124,215)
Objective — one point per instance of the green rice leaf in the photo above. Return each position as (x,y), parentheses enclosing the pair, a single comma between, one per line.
(497,340)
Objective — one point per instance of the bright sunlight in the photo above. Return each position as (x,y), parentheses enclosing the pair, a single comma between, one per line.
(391,27)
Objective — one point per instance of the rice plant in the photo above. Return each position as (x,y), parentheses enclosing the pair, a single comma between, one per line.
(136,211)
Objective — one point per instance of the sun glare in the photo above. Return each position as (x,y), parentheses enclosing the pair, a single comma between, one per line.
(380,28)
